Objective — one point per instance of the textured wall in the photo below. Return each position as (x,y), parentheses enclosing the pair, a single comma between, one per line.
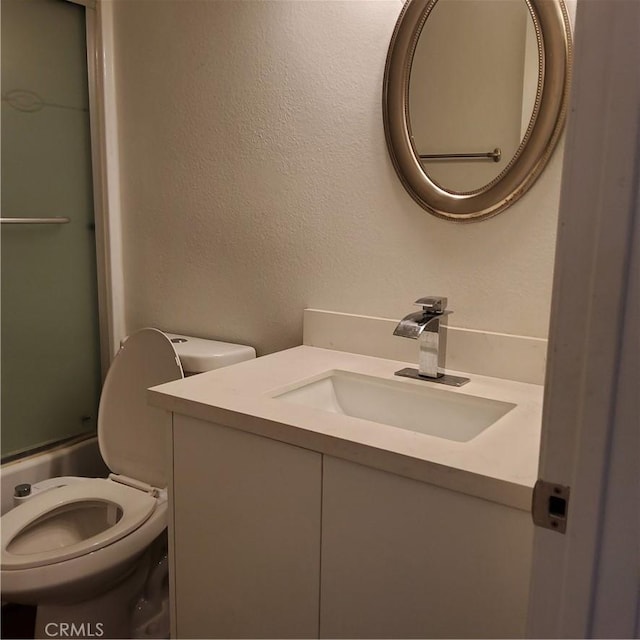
(256,180)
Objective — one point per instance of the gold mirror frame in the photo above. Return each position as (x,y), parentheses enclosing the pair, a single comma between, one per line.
(553,33)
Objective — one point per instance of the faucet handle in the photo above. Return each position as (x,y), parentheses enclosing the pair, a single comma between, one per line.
(432,304)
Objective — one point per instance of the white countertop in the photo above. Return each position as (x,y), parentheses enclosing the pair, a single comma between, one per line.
(500,464)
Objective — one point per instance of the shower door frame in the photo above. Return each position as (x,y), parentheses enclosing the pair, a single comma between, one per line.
(105,176)
(103,132)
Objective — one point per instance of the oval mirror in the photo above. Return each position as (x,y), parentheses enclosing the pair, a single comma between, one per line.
(474,100)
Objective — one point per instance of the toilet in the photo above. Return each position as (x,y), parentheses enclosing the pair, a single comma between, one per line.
(83,549)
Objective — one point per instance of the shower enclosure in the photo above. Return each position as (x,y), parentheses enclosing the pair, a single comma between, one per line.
(50,349)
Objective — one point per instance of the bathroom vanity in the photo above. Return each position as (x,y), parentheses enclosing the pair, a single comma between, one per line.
(300,510)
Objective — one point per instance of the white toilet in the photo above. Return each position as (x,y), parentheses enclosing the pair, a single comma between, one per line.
(81,548)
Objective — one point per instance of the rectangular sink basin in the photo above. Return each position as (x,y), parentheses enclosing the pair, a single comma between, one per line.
(454,416)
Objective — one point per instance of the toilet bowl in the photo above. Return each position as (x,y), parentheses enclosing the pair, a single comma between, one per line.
(74,542)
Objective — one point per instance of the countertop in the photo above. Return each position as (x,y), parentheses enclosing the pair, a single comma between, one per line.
(500,464)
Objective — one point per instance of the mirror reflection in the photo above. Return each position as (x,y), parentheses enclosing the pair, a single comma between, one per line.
(475,91)
(472,89)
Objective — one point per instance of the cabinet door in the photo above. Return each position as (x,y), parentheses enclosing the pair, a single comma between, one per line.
(246,534)
(404,559)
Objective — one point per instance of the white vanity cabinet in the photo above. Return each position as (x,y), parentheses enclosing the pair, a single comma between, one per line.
(274,540)
(406,559)
(244,534)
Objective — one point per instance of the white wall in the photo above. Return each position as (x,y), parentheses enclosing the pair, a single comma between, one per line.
(256,180)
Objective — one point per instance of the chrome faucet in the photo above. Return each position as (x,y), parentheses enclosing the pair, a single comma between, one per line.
(424,326)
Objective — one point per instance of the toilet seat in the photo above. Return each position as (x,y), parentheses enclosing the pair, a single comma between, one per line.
(135,505)
(70,542)
(132,434)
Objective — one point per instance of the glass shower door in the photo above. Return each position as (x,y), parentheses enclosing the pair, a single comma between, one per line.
(50,341)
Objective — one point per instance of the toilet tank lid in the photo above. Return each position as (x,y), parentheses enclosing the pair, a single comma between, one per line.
(199,354)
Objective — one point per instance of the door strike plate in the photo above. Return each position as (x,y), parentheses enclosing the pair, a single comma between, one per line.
(550,505)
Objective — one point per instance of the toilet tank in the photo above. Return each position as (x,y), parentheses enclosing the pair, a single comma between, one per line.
(198,355)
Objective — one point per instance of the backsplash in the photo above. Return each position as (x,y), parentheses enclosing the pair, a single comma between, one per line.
(486,353)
